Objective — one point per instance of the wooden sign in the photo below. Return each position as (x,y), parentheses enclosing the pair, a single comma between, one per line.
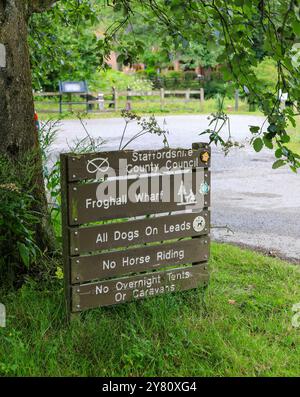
(151,257)
(136,214)
(92,202)
(133,232)
(129,162)
(111,292)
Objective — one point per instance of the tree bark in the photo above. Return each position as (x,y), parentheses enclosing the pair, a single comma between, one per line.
(18,135)
(17,130)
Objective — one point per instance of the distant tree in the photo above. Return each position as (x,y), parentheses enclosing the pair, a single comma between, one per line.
(63,44)
(201,54)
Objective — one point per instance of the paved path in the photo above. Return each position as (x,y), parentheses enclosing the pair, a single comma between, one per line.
(261,205)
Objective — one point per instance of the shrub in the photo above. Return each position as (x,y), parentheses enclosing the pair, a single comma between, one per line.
(216,85)
(120,80)
(18,249)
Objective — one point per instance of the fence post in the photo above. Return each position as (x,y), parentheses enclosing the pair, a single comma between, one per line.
(115,98)
(100,101)
(201,95)
(60,103)
(187,95)
(128,100)
(236,97)
(162,98)
(70,103)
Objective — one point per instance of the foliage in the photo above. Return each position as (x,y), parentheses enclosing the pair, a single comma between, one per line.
(18,248)
(201,54)
(213,85)
(218,121)
(176,80)
(266,73)
(246,32)
(51,170)
(146,126)
(63,44)
(121,81)
(294,143)
(242,326)
(216,85)
(234,26)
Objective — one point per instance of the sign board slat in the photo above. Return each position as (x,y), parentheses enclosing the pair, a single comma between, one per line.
(115,291)
(122,234)
(129,162)
(134,260)
(92,202)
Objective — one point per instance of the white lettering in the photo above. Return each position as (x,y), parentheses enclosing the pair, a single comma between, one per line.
(109,264)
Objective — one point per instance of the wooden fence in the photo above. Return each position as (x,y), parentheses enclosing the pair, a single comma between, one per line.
(54,102)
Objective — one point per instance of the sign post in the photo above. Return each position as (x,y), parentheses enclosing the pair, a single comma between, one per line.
(135,224)
(72,87)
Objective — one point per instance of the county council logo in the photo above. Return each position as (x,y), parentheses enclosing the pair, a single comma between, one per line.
(97,165)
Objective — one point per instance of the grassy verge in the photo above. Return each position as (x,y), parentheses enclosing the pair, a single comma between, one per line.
(295,137)
(243,329)
(147,108)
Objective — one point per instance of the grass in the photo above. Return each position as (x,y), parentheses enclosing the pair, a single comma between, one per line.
(148,108)
(294,144)
(243,328)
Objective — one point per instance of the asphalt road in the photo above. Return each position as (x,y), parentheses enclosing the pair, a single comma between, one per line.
(260,205)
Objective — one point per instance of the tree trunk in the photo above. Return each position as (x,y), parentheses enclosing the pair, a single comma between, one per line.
(18,134)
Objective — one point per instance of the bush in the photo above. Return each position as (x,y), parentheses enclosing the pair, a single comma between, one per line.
(217,86)
(120,80)
(150,73)
(19,252)
(18,249)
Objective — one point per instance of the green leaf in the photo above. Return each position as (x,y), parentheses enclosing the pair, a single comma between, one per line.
(285,138)
(24,254)
(278,153)
(226,73)
(258,144)
(277,164)
(254,129)
(268,143)
(272,128)
(296,27)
